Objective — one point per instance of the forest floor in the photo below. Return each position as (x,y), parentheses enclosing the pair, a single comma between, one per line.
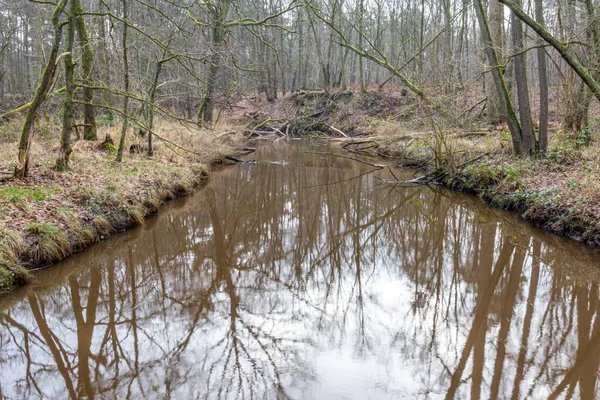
(558,191)
(51,215)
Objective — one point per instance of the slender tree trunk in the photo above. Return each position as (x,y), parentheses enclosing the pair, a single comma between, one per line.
(527,135)
(495,18)
(361,71)
(461,41)
(319,54)
(501,89)
(584,73)
(543,77)
(42,89)
(420,70)
(151,98)
(283,64)
(105,71)
(126,88)
(343,80)
(62,162)
(447,51)
(87,63)
(219,11)
(301,71)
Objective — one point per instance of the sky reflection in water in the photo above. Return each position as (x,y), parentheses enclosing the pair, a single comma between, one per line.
(311,280)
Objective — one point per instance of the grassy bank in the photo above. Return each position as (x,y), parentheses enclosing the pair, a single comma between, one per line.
(52,215)
(558,191)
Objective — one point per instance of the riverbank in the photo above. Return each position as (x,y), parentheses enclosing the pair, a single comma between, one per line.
(558,191)
(52,215)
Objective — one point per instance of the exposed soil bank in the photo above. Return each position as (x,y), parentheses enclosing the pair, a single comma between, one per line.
(51,215)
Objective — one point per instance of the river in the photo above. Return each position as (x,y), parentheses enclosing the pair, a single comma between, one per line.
(311,278)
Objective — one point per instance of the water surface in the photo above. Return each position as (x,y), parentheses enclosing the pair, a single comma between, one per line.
(311,279)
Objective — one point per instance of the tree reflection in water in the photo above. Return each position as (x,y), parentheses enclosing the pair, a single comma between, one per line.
(311,280)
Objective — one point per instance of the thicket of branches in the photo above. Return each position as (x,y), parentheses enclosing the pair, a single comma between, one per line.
(191,59)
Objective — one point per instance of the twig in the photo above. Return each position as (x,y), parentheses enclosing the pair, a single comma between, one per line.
(335,129)
(278,131)
(392,172)
(224,134)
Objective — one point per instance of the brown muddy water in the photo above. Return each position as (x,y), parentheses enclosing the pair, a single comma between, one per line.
(311,279)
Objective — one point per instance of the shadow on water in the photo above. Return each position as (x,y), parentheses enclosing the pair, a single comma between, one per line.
(311,279)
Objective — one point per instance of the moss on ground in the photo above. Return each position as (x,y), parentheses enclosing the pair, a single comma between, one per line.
(12,277)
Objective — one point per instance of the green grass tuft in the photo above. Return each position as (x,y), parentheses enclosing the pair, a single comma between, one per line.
(52,245)
(137,215)
(110,148)
(11,245)
(16,194)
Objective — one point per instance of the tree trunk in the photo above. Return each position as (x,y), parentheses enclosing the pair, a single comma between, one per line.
(361,72)
(317,38)
(501,89)
(87,62)
(104,56)
(126,89)
(543,76)
(151,98)
(527,135)
(495,18)
(219,14)
(62,162)
(41,91)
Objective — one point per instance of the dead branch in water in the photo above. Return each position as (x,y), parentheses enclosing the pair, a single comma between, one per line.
(438,174)
(378,166)
(236,160)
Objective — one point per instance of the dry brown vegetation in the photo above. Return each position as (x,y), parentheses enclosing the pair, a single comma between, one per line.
(51,215)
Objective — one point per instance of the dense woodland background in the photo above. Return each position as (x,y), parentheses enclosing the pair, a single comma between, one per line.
(193,60)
